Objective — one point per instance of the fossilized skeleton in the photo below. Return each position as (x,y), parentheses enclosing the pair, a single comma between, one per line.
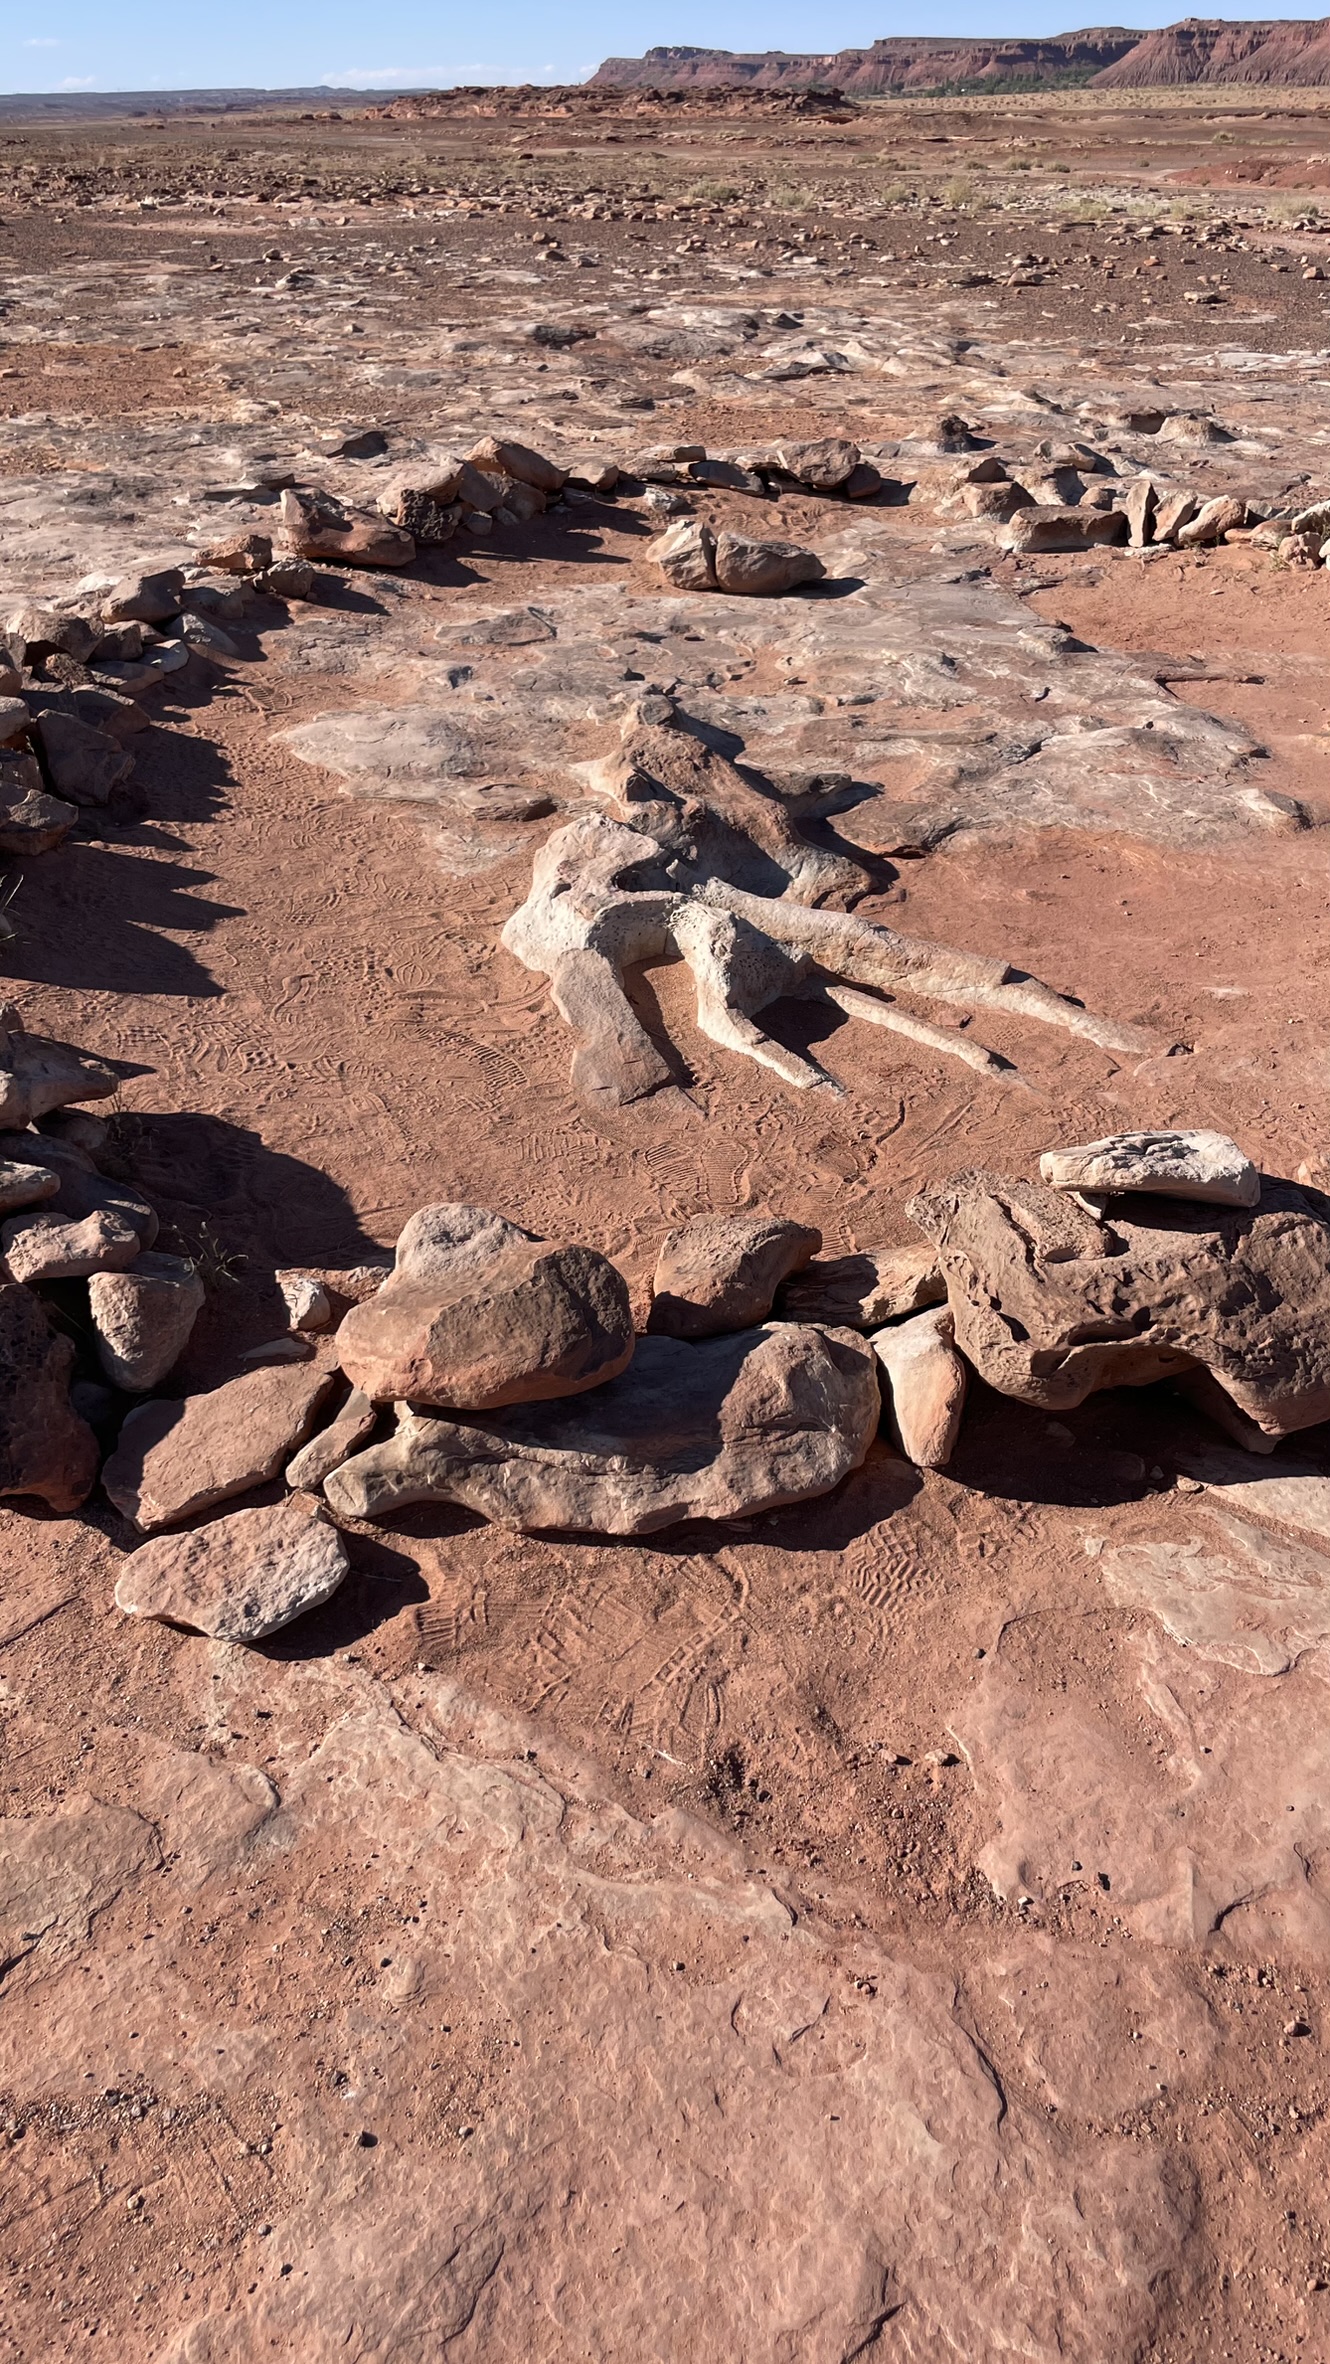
(697,862)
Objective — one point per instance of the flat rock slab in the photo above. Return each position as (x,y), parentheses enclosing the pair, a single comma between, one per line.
(240,1578)
(1050,1304)
(721,1272)
(45,1448)
(354,1426)
(862,1292)
(1232,1593)
(1207,1167)
(175,1459)
(1291,1498)
(478,1313)
(712,1430)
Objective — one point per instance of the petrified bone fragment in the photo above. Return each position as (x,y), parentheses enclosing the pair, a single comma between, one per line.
(581,928)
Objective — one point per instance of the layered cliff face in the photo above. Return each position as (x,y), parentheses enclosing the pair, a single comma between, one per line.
(1287,51)
(908,64)
(1206,49)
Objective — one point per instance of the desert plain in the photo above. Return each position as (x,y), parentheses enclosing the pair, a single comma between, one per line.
(889,1924)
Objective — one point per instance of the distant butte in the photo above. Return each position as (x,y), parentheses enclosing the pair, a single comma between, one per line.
(1288,52)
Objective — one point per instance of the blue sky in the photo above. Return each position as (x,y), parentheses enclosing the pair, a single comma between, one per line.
(150,45)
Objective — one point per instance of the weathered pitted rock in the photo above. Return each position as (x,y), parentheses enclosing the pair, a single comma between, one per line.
(317,526)
(721,1272)
(478,1313)
(763,570)
(37,1075)
(240,1578)
(1050,1305)
(353,1427)
(864,1291)
(42,1246)
(175,1459)
(926,1381)
(714,1430)
(143,1317)
(1204,1166)
(45,1449)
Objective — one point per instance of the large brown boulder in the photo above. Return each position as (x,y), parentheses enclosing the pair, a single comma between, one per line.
(1051,1304)
(721,1272)
(478,1313)
(715,1430)
(45,1449)
(763,570)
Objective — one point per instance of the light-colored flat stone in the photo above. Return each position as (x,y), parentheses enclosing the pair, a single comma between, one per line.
(240,1578)
(1204,1166)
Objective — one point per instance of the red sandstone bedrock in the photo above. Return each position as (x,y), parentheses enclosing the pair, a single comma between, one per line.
(1291,52)
(907,64)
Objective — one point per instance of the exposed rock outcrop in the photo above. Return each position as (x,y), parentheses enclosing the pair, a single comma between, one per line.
(1051,1304)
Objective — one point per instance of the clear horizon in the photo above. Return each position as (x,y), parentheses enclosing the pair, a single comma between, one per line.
(415,46)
